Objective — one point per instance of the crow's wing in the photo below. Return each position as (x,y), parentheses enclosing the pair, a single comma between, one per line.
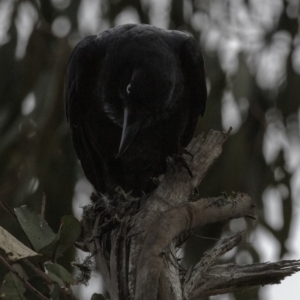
(80,99)
(195,81)
(82,74)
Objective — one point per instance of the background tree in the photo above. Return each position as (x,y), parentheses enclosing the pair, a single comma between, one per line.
(252,55)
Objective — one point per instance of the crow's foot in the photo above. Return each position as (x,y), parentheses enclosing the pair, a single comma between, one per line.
(177,158)
(185,151)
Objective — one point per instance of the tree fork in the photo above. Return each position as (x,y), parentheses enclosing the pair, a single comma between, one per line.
(133,240)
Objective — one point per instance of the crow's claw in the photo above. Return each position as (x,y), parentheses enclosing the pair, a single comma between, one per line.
(170,162)
(176,158)
(185,151)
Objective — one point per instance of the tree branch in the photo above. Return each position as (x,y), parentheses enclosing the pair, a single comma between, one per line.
(25,282)
(228,278)
(180,219)
(133,240)
(174,189)
(205,280)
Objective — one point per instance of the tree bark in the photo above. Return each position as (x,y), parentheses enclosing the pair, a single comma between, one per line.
(134,241)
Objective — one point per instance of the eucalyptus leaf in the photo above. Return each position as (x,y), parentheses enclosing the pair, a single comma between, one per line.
(69,232)
(13,248)
(60,275)
(98,297)
(48,252)
(12,287)
(35,227)
(20,270)
(39,284)
(55,291)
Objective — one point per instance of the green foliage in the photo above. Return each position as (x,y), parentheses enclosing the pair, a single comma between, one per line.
(35,227)
(41,236)
(98,297)
(39,284)
(68,233)
(49,245)
(60,275)
(12,288)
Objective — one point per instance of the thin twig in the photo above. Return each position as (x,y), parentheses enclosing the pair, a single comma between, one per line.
(67,292)
(25,282)
(38,271)
(5,207)
(174,221)
(43,207)
(228,278)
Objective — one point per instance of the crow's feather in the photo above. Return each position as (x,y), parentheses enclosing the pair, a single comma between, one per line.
(133,97)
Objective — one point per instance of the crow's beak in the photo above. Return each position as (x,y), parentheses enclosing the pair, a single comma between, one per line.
(131,125)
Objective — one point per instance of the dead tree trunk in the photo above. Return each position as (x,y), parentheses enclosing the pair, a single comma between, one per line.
(134,241)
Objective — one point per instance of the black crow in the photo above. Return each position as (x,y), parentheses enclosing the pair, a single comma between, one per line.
(133,96)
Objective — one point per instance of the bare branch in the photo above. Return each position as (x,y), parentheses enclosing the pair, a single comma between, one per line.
(232,278)
(176,220)
(203,280)
(212,255)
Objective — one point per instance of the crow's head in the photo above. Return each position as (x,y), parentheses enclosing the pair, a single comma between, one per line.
(138,89)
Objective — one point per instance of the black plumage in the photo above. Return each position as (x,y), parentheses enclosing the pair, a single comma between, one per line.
(133,97)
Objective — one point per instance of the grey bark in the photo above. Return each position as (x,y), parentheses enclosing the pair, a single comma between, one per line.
(134,241)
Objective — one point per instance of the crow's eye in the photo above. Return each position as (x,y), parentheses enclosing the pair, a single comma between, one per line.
(128,89)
